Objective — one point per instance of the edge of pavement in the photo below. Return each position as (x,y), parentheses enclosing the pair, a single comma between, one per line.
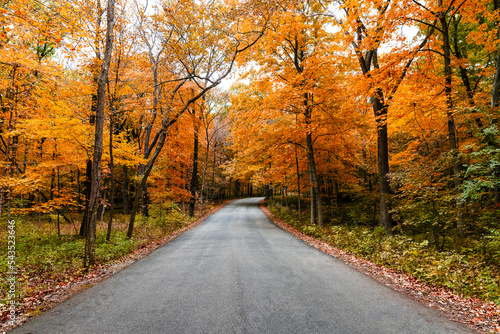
(62,292)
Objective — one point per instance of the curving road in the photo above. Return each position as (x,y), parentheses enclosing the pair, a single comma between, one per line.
(238,273)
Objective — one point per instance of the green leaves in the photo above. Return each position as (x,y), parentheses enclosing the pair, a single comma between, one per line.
(483,170)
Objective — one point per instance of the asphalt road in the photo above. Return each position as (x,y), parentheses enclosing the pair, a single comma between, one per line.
(238,273)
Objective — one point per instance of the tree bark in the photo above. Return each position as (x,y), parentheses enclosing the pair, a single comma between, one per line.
(212,187)
(125,193)
(86,189)
(111,177)
(154,61)
(78,190)
(143,180)
(206,125)
(101,208)
(194,175)
(145,201)
(495,94)
(237,189)
(380,112)
(316,205)
(451,120)
(58,192)
(298,184)
(90,243)
(88,170)
(203,178)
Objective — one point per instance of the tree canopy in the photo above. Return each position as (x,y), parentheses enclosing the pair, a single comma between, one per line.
(375,112)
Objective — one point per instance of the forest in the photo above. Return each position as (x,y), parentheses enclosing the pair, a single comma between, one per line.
(372,125)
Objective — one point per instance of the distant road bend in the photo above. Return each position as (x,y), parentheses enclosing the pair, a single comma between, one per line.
(238,273)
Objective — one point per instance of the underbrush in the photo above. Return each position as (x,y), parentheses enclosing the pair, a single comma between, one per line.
(44,259)
(468,271)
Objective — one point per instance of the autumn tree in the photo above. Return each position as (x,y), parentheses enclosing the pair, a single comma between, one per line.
(215,106)
(95,183)
(198,50)
(367,28)
(289,49)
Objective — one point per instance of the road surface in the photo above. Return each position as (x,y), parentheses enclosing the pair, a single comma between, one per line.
(238,273)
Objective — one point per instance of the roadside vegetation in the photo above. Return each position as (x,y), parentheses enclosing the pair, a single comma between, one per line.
(470,269)
(45,259)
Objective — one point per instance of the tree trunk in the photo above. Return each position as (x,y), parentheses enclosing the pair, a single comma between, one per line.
(316,205)
(212,187)
(465,75)
(111,177)
(147,148)
(338,197)
(88,170)
(144,190)
(203,178)
(380,112)
(90,243)
(497,194)
(495,94)
(86,187)
(39,212)
(451,121)
(78,190)
(101,208)
(237,189)
(194,176)
(59,194)
(9,204)
(145,201)
(13,164)
(135,208)
(125,194)
(298,184)
(144,179)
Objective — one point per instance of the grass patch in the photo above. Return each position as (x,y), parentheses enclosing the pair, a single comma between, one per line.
(44,260)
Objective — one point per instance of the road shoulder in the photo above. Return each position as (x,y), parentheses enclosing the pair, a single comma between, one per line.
(60,293)
(475,314)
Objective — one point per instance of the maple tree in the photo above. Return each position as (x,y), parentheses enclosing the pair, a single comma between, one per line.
(190,62)
(420,88)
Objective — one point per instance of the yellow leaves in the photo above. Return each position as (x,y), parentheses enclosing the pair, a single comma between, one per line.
(65,129)
(20,185)
(51,205)
(268,121)
(124,152)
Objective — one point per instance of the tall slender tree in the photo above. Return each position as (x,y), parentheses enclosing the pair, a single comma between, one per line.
(95,184)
